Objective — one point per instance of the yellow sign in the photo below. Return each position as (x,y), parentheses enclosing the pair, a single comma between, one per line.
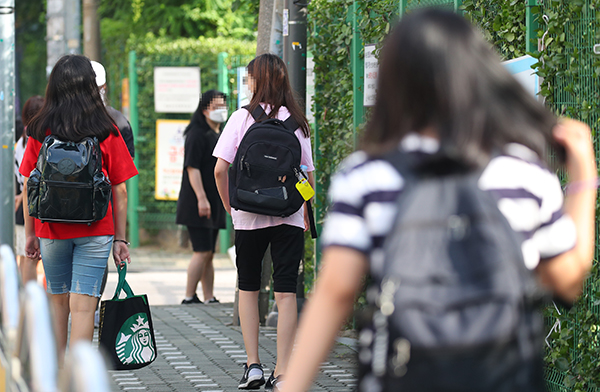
(169,158)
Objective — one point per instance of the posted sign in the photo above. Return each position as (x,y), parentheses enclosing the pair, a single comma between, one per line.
(176,89)
(169,158)
(371,73)
(521,69)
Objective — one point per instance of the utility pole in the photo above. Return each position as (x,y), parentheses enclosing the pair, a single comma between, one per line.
(63,26)
(294,56)
(91,30)
(294,44)
(7,121)
(270,39)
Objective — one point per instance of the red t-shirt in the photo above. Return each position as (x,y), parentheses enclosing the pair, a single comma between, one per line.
(117,165)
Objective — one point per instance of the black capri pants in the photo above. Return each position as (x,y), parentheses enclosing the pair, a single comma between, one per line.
(287,249)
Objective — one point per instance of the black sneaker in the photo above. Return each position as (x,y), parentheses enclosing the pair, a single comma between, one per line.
(254,380)
(194,300)
(213,300)
(270,381)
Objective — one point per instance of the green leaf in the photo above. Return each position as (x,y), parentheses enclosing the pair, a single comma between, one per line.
(562,364)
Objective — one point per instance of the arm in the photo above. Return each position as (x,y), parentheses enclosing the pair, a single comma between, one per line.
(222,180)
(18,200)
(564,274)
(32,243)
(119,201)
(196,182)
(339,281)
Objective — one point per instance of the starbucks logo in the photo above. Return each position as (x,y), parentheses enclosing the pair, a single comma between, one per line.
(134,342)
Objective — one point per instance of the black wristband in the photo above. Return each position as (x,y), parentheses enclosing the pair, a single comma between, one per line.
(123,241)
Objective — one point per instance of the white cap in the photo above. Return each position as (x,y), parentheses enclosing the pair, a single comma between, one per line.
(100,73)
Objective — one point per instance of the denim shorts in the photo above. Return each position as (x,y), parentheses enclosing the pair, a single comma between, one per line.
(75,265)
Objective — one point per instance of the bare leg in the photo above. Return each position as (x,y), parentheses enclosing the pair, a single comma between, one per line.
(194,272)
(248,309)
(82,317)
(60,306)
(28,268)
(286,329)
(208,277)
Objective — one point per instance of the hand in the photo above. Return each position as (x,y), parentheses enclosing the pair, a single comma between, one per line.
(32,248)
(204,207)
(121,253)
(576,137)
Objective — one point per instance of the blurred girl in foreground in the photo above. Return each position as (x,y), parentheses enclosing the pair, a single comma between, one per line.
(443,90)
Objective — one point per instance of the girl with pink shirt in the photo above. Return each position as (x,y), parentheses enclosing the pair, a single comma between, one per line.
(268,80)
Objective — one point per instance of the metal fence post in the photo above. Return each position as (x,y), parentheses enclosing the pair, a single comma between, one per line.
(532,26)
(401,8)
(457,4)
(133,183)
(358,70)
(7,121)
(223,86)
(222,82)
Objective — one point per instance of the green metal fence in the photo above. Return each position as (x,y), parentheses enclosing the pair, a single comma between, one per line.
(579,90)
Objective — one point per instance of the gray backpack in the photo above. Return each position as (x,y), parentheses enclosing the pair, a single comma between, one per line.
(453,288)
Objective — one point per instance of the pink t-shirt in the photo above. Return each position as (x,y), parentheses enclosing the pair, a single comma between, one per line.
(226,148)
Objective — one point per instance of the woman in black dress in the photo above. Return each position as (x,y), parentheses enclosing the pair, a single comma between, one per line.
(199,206)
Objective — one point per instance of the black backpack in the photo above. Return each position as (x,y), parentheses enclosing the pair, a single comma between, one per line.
(67,184)
(264,173)
(456,308)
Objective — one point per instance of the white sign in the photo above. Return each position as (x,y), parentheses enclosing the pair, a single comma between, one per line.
(286,21)
(176,89)
(310,87)
(169,158)
(371,73)
(521,69)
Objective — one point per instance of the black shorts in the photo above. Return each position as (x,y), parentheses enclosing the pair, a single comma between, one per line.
(287,249)
(203,239)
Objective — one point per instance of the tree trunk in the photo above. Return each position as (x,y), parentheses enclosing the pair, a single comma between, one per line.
(91,30)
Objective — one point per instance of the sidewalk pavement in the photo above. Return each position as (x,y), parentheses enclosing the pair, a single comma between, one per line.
(198,347)
(162,275)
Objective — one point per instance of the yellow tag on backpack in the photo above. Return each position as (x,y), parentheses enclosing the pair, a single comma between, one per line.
(305,189)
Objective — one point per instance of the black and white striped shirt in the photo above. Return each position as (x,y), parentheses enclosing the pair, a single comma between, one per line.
(364,191)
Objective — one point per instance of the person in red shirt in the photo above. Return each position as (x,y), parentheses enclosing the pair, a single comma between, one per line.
(74,255)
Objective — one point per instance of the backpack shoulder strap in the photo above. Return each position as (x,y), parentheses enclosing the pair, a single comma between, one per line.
(401,162)
(290,124)
(258,114)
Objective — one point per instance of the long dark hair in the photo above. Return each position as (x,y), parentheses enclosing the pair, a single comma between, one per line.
(72,107)
(437,71)
(273,87)
(30,109)
(198,119)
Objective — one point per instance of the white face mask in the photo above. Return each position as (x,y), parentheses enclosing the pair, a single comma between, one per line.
(103,95)
(218,115)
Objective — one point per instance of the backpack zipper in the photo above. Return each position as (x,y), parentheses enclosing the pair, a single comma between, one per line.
(67,184)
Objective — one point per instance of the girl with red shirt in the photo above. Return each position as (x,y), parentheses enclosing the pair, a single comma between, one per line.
(75,255)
